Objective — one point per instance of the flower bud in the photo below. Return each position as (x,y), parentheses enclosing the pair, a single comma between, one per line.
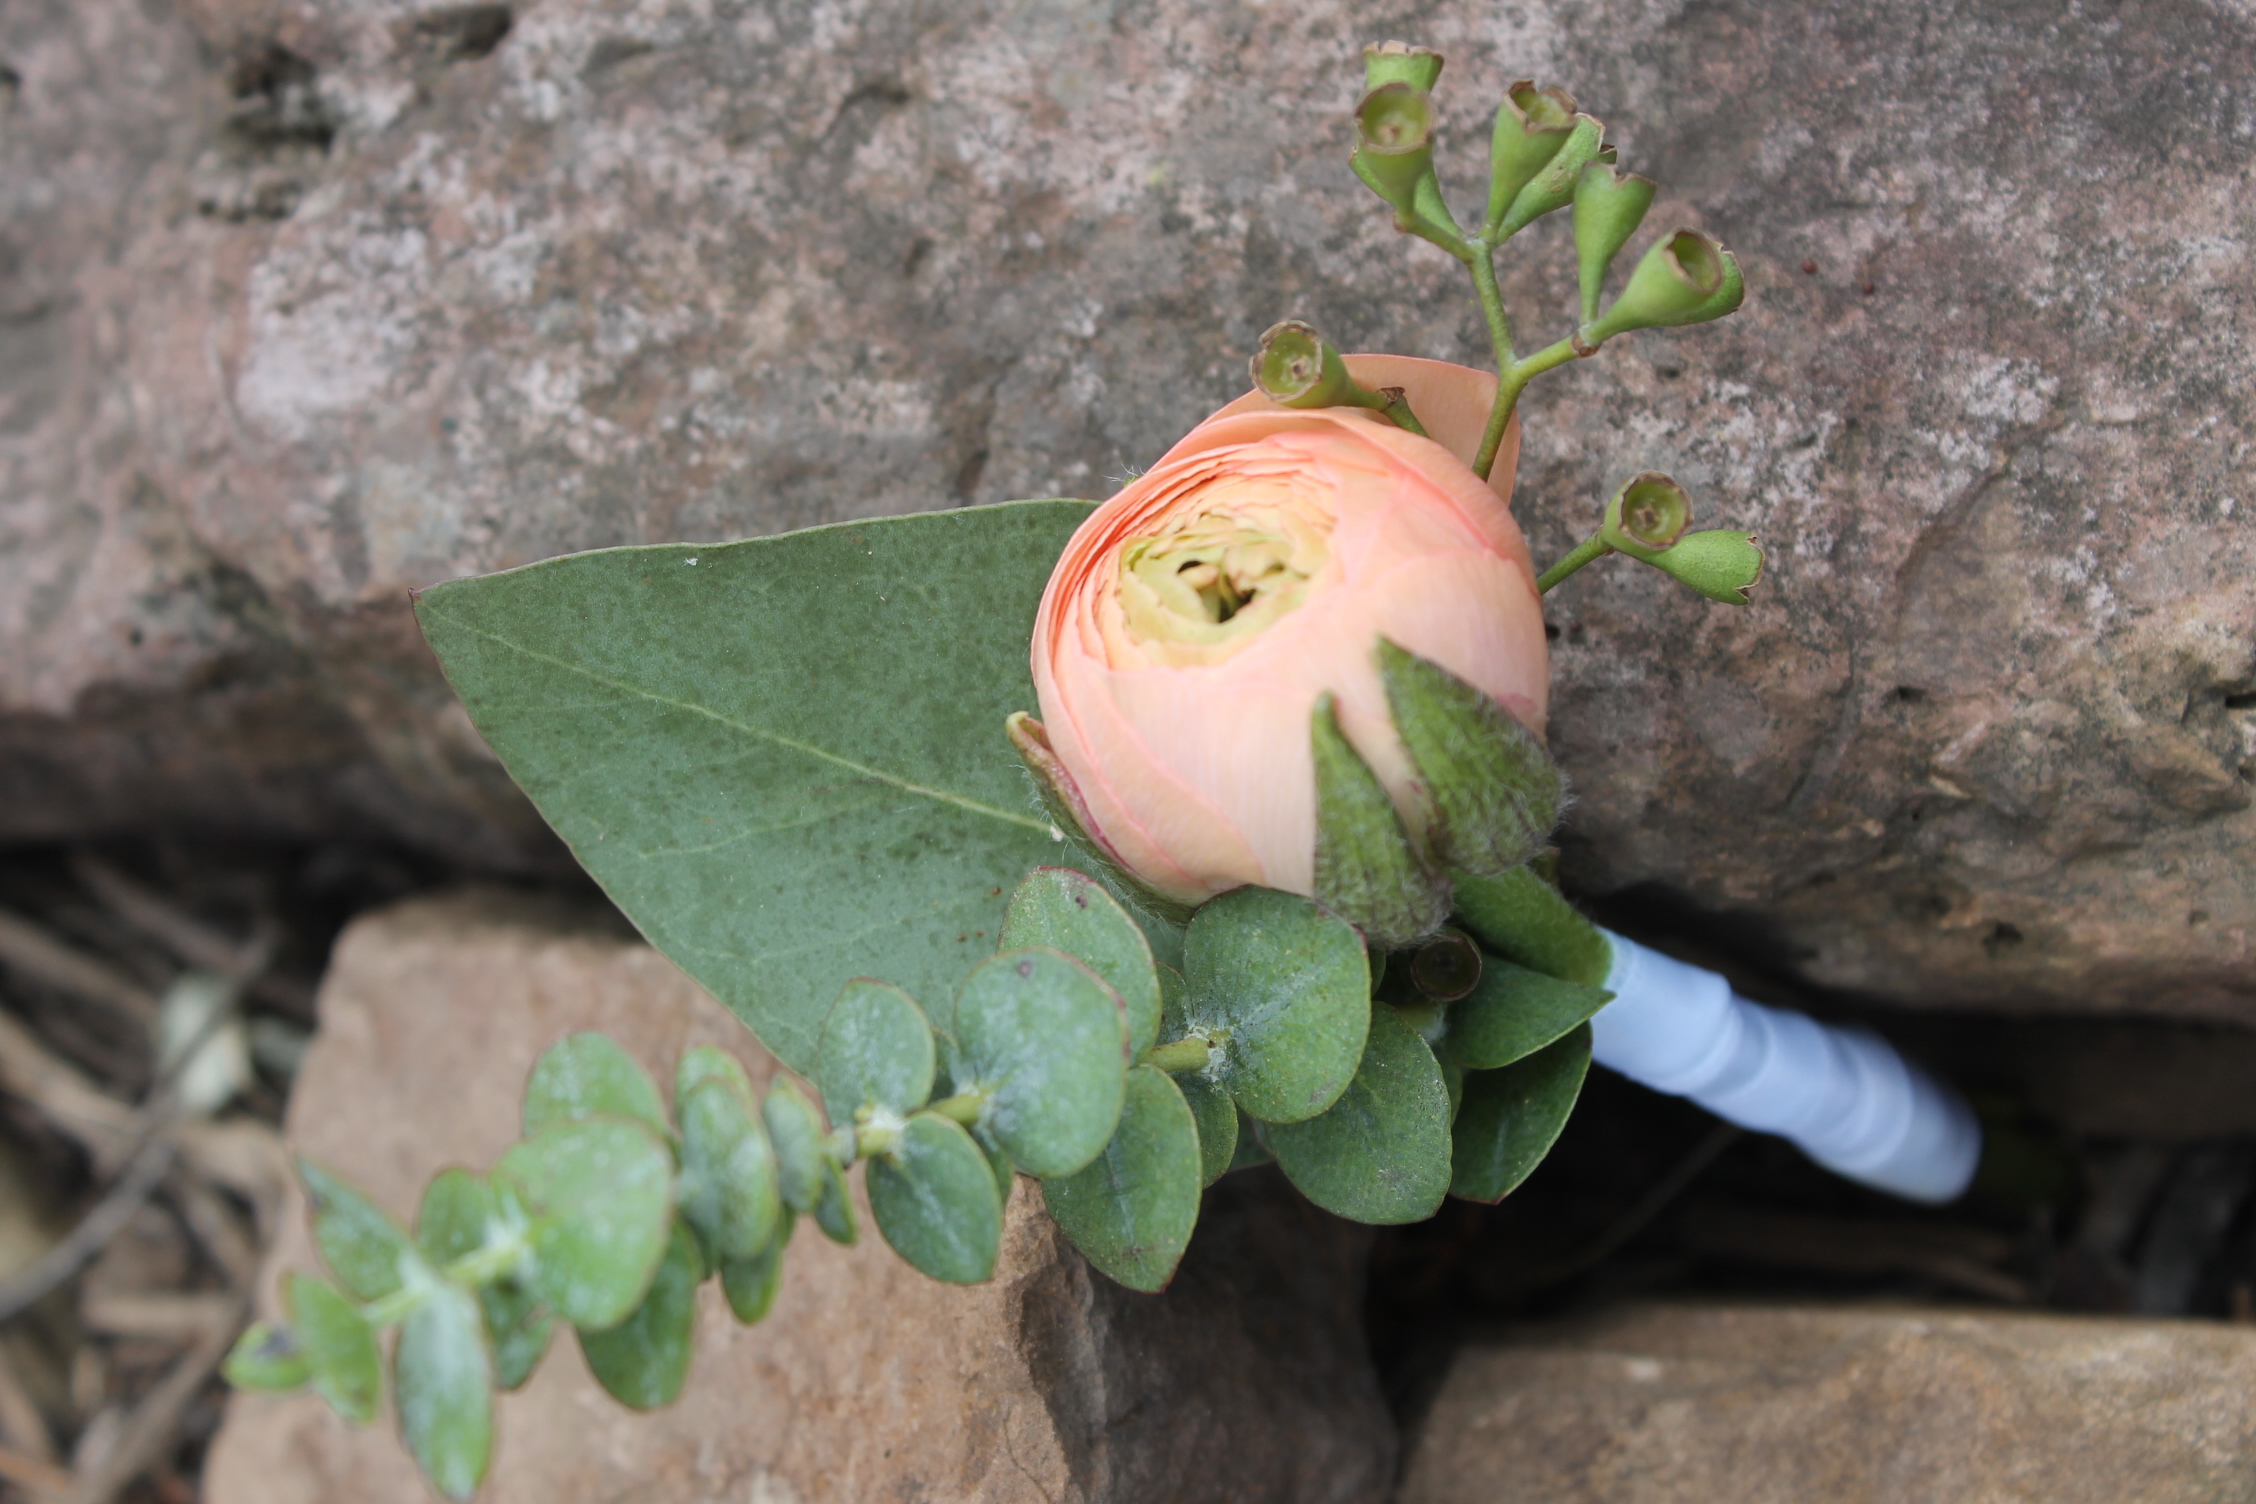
(1685,279)
(1647,516)
(1553,185)
(1608,207)
(1399,62)
(1531,125)
(1720,564)
(1394,145)
(1207,655)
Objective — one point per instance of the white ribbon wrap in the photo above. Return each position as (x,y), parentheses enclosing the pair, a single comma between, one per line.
(1841,1095)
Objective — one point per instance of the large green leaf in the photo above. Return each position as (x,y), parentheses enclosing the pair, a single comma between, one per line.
(783,758)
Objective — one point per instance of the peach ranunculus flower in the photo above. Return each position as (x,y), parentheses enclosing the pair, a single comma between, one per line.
(1197,617)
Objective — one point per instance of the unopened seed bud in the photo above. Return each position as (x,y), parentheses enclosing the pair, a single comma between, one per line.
(1399,62)
(1394,143)
(1553,185)
(1447,967)
(1608,207)
(1720,564)
(1647,516)
(1298,367)
(1685,279)
(1531,125)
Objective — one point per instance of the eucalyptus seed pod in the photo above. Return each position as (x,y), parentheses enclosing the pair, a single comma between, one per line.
(1531,125)
(1553,185)
(1685,279)
(1722,565)
(1394,145)
(1608,207)
(1400,62)
(1646,516)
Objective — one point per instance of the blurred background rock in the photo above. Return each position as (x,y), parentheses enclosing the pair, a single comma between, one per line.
(306,303)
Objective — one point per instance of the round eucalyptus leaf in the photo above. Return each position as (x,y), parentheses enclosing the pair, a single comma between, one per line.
(1071,912)
(1283,986)
(751,1284)
(457,1210)
(728,1178)
(338,1346)
(795,1132)
(702,1063)
(877,1053)
(1217,1119)
(834,1208)
(366,1250)
(266,1360)
(600,1197)
(1006,1173)
(644,1359)
(1045,1040)
(589,1076)
(1253,1150)
(933,1195)
(1131,1209)
(442,1384)
(1512,1117)
(1381,1153)
(1513,1012)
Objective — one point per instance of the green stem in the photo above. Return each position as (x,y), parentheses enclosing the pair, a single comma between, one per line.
(1178,1056)
(1500,337)
(964,1107)
(1398,409)
(1593,547)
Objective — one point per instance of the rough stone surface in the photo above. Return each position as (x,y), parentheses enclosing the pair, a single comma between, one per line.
(1690,1405)
(1247,1380)
(305,302)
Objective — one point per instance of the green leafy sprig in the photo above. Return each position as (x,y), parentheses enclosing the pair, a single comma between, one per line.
(1072,1055)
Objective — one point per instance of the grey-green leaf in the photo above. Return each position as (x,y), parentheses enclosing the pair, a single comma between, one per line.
(876,1053)
(1046,1040)
(702,1063)
(1131,1209)
(600,1194)
(1493,793)
(365,1249)
(1513,1012)
(934,1199)
(1527,921)
(795,1131)
(834,1208)
(1512,1117)
(644,1359)
(782,758)
(729,1178)
(1071,912)
(751,1284)
(444,1388)
(1381,1153)
(1217,1118)
(1252,1150)
(588,1075)
(1368,867)
(1283,985)
(338,1346)
(457,1208)
(266,1360)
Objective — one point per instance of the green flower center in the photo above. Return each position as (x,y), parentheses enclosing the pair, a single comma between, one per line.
(1210,583)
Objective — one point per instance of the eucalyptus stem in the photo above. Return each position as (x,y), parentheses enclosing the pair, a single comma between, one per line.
(1180,1055)
(964,1107)
(1593,547)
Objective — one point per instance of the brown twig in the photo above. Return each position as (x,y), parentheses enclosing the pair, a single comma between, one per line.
(20,1417)
(104,1126)
(32,950)
(142,1441)
(93,1232)
(34,1473)
(194,942)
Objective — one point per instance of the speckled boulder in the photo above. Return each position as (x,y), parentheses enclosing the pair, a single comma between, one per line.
(306,302)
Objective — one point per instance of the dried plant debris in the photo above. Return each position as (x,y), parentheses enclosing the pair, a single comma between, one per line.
(153,1006)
